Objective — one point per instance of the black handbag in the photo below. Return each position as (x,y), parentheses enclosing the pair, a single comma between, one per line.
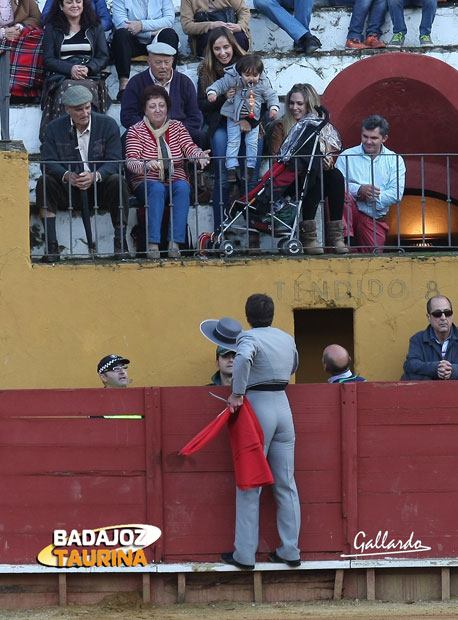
(226,15)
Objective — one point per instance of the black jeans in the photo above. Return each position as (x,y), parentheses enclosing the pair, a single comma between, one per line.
(109,193)
(334,191)
(126,46)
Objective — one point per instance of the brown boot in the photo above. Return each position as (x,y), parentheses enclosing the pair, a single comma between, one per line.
(52,255)
(249,174)
(308,237)
(336,236)
(253,240)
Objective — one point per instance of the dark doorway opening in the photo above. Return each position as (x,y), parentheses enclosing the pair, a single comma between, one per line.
(316,329)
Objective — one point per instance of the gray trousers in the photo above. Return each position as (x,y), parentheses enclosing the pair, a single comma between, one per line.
(274,414)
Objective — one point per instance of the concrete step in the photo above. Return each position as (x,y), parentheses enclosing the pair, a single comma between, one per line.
(282,65)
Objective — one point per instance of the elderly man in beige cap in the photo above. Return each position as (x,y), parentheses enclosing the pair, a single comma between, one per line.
(180,88)
(82,149)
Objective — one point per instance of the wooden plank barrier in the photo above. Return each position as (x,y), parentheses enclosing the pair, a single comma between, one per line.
(375,468)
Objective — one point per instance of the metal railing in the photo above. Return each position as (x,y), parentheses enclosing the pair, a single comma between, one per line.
(5,94)
(268,220)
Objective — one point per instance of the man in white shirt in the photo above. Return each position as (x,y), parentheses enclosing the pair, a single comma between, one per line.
(374,179)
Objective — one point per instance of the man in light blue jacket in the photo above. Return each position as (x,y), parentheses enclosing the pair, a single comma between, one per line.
(374,179)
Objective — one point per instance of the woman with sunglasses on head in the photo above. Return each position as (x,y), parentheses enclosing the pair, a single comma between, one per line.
(156,148)
(222,52)
(303,104)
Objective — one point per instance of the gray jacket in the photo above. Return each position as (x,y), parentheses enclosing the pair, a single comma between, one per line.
(263,93)
(264,355)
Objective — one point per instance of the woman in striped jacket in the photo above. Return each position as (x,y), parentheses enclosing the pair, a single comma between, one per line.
(155,149)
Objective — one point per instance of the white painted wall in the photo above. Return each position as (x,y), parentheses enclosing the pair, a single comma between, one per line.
(284,68)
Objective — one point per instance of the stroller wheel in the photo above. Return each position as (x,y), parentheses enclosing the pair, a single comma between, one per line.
(293,247)
(227,248)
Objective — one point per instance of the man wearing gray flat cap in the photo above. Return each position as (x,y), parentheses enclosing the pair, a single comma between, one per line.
(82,149)
(180,88)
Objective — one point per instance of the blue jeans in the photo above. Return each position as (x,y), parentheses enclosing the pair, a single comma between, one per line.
(376,10)
(234,141)
(296,26)
(157,193)
(428,13)
(221,189)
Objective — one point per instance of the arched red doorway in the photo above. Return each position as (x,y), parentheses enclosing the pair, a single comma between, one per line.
(418,95)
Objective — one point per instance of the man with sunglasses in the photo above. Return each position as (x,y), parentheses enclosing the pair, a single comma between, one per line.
(433,353)
(112,371)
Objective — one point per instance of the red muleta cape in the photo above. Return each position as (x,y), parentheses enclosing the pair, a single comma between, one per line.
(247,442)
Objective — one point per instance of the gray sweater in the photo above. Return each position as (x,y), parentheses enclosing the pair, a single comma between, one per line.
(263,93)
(264,355)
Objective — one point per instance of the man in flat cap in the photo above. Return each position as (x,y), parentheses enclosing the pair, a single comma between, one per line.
(82,148)
(180,88)
(112,371)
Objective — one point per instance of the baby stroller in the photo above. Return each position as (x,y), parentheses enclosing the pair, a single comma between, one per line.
(273,207)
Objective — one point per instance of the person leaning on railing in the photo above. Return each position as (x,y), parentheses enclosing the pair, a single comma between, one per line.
(375,179)
(155,149)
(302,102)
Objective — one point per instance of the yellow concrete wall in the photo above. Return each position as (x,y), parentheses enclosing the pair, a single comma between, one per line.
(56,322)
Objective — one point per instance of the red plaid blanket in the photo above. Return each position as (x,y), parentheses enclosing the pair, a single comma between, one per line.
(26,62)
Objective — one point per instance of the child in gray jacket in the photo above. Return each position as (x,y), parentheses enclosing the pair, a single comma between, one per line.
(251,88)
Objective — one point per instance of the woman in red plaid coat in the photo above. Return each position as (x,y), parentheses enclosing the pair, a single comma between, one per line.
(20,33)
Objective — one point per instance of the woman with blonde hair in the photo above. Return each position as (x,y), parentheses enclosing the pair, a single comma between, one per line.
(303,103)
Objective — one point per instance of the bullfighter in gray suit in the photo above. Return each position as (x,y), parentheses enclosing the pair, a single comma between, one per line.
(266,358)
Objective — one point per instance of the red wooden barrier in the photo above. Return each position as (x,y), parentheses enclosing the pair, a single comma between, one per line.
(369,458)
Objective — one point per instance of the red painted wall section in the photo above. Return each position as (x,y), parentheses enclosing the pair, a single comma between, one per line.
(369,457)
(417,94)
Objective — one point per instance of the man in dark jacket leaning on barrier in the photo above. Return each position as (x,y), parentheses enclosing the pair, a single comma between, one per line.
(433,353)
